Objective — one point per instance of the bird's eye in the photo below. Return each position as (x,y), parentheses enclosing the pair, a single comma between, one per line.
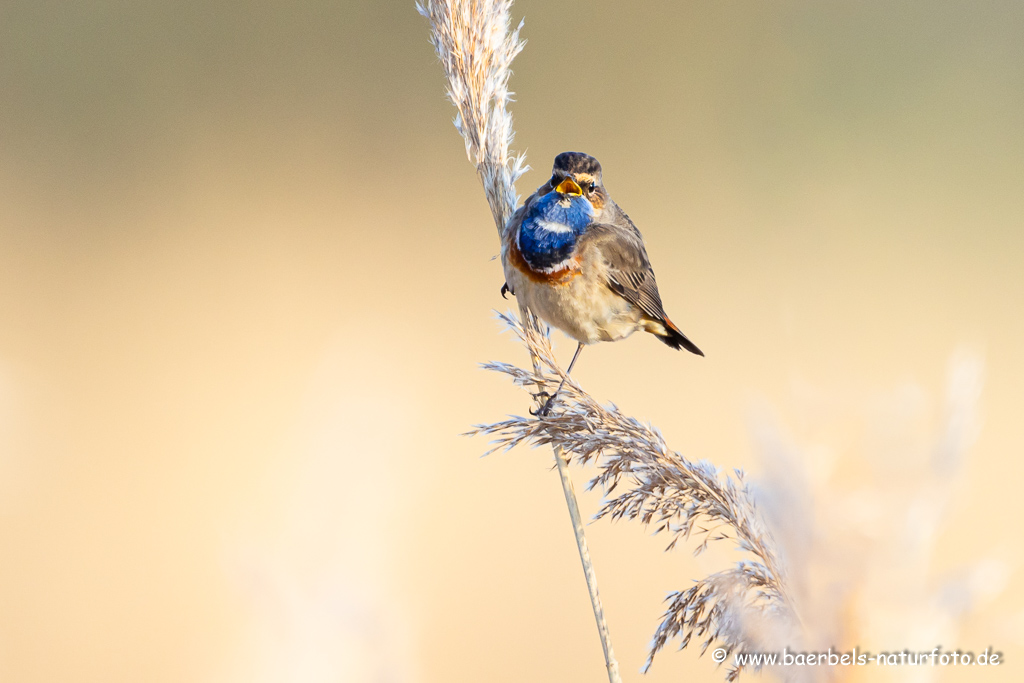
(554,181)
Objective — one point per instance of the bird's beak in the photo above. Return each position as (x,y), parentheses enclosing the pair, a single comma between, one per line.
(569,187)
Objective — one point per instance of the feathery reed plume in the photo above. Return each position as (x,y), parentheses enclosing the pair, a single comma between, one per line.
(476,48)
(739,607)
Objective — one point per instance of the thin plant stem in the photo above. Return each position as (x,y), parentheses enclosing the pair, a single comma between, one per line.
(589,573)
(473,41)
(588,566)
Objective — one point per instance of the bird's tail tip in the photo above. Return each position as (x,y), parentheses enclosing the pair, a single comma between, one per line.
(675,338)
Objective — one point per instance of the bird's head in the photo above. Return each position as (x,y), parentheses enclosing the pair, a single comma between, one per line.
(575,174)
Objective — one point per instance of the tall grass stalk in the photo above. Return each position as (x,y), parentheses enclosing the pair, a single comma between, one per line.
(476,46)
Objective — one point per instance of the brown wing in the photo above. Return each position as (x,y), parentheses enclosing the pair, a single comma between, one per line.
(629,270)
(630,276)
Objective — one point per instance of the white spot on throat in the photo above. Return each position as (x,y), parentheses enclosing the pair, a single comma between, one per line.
(551,226)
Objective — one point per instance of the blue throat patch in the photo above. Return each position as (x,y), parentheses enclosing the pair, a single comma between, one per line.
(549,231)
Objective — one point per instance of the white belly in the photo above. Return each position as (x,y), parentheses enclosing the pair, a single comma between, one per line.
(584,308)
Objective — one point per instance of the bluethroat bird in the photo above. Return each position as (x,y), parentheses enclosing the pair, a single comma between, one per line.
(578,262)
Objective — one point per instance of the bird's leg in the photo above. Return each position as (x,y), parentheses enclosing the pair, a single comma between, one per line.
(547,404)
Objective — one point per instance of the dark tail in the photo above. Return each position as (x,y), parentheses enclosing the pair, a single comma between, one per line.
(676,339)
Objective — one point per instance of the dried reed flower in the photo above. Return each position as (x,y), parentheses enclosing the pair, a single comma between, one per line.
(476,48)
(663,489)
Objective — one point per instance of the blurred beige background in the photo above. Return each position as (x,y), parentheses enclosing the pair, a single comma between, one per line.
(245,282)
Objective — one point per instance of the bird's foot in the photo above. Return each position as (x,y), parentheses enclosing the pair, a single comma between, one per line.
(544,409)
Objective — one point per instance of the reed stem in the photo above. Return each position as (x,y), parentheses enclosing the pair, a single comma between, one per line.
(588,566)
(475,44)
(529,321)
